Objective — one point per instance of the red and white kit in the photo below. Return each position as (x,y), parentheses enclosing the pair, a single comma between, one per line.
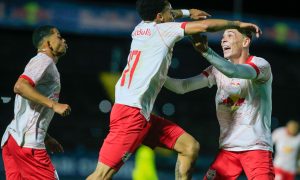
(244,113)
(287,148)
(243,109)
(131,122)
(24,152)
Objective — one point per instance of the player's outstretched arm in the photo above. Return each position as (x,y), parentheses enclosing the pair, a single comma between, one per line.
(243,71)
(213,25)
(194,14)
(24,89)
(182,86)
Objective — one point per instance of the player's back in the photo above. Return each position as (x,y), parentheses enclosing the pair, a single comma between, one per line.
(147,64)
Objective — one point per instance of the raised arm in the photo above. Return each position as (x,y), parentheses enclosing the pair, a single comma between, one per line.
(182,86)
(213,25)
(194,14)
(25,89)
(209,25)
(243,71)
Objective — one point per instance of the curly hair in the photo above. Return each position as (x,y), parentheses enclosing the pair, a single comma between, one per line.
(148,9)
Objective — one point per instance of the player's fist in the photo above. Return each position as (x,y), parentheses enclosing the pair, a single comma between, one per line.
(197,14)
(61,109)
(200,42)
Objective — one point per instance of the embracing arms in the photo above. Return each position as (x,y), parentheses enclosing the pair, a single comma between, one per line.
(243,71)
(181,86)
(201,24)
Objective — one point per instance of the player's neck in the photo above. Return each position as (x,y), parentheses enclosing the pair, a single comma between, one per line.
(48,52)
(242,59)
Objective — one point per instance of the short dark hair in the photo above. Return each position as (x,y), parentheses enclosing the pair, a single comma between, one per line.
(40,33)
(148,9)
(246,32)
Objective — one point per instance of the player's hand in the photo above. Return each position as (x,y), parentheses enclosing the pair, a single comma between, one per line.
(252,27)
(197,14)
(200,43)
(61,109)
(53,145)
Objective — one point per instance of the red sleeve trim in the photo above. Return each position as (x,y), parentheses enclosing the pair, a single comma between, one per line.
(28,79)
(255,67)
(183,25)
(205,73)
(249,59)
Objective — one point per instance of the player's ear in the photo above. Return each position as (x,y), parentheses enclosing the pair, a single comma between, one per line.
(246,42)
(159,17)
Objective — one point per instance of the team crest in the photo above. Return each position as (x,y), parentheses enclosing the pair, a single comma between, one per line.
(211,174)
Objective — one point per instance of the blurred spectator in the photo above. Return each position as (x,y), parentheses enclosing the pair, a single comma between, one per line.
(287,142)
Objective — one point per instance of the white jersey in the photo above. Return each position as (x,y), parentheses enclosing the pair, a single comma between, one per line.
(244,107)
(147,64)
(31,120)
(287,148)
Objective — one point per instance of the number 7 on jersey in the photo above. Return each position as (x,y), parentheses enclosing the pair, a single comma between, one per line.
(132,62)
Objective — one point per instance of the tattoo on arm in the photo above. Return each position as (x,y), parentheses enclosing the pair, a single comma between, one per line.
(233,24)
(176,13)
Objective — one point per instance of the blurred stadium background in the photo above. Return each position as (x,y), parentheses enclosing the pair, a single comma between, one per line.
(98,36)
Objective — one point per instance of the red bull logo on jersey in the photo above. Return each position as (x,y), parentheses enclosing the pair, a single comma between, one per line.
(288,149)
(211,174)
(231,96)
(233,101)
(142,32)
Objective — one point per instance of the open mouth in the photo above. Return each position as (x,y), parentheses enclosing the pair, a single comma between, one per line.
(226,48)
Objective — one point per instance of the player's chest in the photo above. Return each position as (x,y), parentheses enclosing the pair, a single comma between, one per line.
(50,81)
(51,76)
(233,85)
(289,145)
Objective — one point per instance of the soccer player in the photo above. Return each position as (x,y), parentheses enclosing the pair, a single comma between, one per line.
(37,93)
(287,146)
(131,122)
(243,106)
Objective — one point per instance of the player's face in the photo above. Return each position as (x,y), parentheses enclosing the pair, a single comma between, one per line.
(166,14)
(57,43)
(293,128)
(232,43)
